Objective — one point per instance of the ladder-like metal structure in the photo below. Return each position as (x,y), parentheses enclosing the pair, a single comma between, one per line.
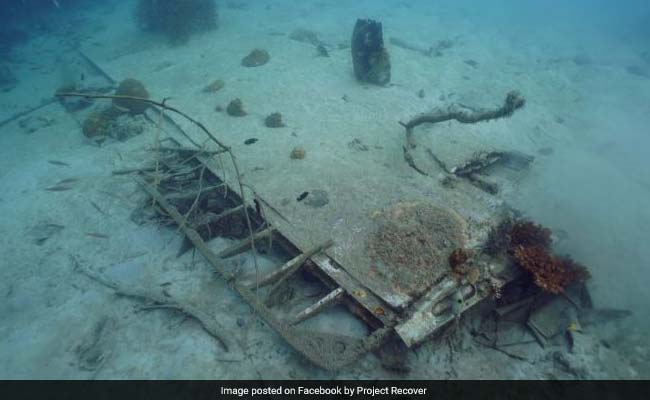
(330,351)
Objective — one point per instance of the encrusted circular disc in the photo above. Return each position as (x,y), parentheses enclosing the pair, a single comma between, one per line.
(412,243)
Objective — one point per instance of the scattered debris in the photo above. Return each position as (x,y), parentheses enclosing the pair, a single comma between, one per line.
(513,102)
(236,108)
(274,120)
(421,93)
(481,160)
(250,141)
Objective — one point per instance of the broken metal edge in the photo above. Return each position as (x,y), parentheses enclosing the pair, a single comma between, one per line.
(427,318)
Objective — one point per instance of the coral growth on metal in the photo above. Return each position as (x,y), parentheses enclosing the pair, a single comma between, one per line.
(530,248)
(551,273)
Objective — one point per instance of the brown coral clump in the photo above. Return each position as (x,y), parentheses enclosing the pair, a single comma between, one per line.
(462,267)
(510,234)
(551,273)
(527,233)
(274,120)
(236,108)
(131,88)
(459,257)
(529,246)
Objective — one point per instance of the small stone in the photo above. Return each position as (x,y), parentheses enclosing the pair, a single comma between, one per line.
(214,86)
(236,108)
(274,121)
(421,93)
(241,322)
(256,58)
(298,153)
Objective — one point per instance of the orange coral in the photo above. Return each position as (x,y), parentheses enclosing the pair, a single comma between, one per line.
(551,273)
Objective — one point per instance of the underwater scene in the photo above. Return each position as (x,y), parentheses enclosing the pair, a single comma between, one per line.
(324,189)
